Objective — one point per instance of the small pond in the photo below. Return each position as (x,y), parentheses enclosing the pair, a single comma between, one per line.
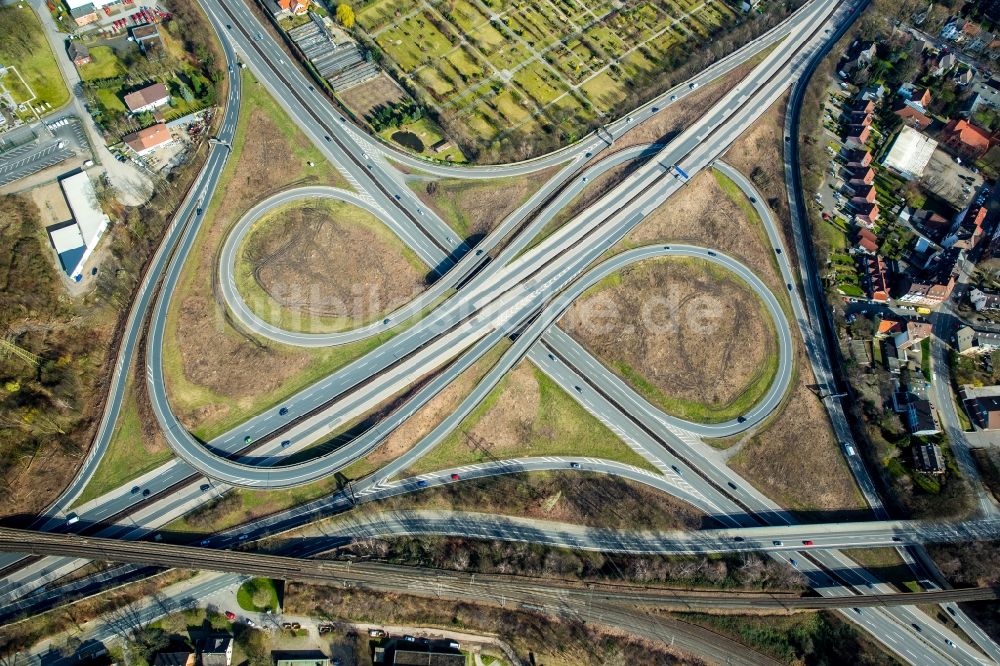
(409,140)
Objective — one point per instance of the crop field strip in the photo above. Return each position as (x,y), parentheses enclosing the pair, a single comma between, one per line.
(503,67)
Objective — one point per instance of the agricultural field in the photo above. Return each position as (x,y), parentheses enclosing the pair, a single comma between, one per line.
(496,69)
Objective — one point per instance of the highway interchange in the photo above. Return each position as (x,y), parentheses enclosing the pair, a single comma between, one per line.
(524,289)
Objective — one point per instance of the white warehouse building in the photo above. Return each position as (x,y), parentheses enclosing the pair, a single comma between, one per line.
(74,242)
(910,153)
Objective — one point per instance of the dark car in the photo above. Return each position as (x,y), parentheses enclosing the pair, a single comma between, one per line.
(205,487)
(286,443)
(421,484)
(575,465)
(145,493)
(282,411)
(738,539)
(135,489)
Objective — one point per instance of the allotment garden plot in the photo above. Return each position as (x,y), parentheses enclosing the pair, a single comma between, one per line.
(501,66)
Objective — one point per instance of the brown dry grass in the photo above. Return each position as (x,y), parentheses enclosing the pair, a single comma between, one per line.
(317,260)
(361,99)
(474,207)
(658,318)
(204,352)
(759,154)
(702,214)
(594,500)
(795,459)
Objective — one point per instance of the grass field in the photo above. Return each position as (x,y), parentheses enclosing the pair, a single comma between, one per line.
(527,414)
(25,47)
(258,595)
(130,454)
(104,64)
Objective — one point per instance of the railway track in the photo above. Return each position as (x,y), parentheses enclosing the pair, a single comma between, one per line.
(434,582)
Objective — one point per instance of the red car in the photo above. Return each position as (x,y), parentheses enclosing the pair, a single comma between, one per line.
(807,542)
(230,615)
(454,477)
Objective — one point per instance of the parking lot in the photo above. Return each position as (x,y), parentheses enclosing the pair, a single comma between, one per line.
(54,142)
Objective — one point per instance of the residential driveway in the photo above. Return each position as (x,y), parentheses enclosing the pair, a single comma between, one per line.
(134,187)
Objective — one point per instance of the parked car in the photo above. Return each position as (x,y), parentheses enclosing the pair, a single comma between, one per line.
(230,615)
(377,633)
(409,639)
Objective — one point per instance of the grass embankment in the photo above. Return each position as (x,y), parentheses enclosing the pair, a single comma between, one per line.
(25,47)
(355,249)
(803,638)
(130,452)
(474,207)
(527,414)
(582,498)
(217,376)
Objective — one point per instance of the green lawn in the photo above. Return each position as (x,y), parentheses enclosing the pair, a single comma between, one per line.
(105,65)
(258,595)
(126,457)
(110,100)
(561,427)
(25,47)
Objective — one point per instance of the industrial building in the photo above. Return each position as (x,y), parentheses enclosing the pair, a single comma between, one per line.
(910,153)
(75,241)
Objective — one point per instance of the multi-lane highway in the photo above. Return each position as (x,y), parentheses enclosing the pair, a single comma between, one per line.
(523,291)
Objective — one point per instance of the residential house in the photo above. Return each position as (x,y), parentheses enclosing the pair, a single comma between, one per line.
(913,116)
(921,97)
(988,91)
(859,55)
(971,105)
(78,53)
(866,215)
(969,231)
(918,413)
(175,659)
(944,63)
(83,14)
(877,279)
(984,411)
(149,139)
(927,458)
(984,301)
(215,651)
(888,327)
(969,341)
(149,40)
(148,98)
(912,335)
(862,106)
(951,31)
(965,139)
(862,176)
(867,241)
(859,159)
(873,93)
(936,283)
(863,119)
(857,135)
(863,195)
(934,225)
(964,77)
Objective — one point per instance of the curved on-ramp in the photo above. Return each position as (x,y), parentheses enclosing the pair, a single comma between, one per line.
(240,474)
